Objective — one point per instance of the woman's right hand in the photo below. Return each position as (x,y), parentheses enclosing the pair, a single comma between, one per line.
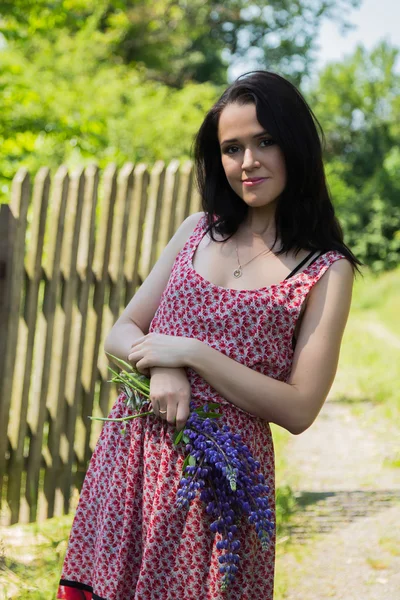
(170,390)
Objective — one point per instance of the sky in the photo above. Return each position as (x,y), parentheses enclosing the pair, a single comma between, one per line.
(373,21)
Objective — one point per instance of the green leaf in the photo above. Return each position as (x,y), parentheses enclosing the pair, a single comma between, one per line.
(178,436)
(185,439)
(212,405)
(185,463)
(210,415)
(192,460)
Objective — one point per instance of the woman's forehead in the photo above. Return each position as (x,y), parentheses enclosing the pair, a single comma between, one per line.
(237,121)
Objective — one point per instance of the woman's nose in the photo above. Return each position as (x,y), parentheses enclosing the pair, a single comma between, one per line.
(249,160)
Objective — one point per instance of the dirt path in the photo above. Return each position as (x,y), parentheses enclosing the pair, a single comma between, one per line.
(347,535)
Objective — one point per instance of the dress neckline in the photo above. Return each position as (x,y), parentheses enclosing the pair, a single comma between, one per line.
(264,288)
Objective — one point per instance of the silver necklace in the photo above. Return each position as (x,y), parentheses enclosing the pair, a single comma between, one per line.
(238,272)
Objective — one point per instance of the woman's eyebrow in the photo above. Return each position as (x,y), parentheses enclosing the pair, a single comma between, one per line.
(254,136)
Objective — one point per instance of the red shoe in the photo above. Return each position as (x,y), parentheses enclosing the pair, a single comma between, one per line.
(72,593)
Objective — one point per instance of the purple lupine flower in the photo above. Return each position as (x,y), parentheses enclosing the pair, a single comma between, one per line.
(218,466)
(221,468)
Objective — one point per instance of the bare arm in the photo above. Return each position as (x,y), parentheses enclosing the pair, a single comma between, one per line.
(293,405)
(135,320)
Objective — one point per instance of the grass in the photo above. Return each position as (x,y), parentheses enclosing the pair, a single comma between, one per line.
(369,365)
(31,558)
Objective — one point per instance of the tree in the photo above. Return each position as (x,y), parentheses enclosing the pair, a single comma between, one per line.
(183,40)
(357,103)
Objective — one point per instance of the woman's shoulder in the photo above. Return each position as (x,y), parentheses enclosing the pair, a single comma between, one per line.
(331,257)
(189,226)
(333,270)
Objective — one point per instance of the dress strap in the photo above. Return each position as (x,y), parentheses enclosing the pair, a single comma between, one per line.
(303,262)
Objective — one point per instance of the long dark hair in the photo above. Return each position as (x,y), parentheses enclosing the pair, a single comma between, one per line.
(305,217)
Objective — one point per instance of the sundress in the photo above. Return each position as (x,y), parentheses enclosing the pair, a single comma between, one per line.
(129,540)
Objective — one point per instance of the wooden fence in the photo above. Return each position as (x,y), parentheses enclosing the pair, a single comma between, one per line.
(73,251)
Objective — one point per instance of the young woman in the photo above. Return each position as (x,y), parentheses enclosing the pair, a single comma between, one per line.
(245,307)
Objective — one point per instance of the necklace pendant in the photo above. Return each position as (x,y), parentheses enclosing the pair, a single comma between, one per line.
(237,272)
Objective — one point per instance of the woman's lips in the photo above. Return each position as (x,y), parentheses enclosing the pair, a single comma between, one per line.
(254,181)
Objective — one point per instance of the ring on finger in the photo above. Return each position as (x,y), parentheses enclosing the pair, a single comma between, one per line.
(162,412)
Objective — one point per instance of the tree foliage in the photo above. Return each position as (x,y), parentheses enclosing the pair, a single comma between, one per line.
(124,80)
(358,102)
(177,41)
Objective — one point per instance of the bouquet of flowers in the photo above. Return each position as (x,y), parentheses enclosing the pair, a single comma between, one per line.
(218,466)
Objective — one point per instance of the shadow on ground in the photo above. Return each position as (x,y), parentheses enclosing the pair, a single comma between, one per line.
(321,512)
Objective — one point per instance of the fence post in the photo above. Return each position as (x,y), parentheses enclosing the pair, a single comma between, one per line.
(13,243)
(5,231)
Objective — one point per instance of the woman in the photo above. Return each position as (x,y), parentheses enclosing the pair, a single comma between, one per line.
(250,316)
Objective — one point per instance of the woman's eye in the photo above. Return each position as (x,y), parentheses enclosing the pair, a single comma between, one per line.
(268,142)
(228,150)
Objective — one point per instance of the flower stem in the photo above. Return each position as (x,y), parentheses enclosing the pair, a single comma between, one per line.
(133,382)
(122,418)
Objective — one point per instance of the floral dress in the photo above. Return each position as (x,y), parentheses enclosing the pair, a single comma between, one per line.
(129,540)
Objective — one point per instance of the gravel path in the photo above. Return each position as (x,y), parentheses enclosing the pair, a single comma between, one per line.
(346,538)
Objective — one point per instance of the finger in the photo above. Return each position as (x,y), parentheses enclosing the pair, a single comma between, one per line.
(162,410)
(171,413)
(138,341)
(182,415)
(156,407)
(142,367)
(132,357)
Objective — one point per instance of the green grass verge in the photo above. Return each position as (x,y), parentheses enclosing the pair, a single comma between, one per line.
(31,558)
(369,365)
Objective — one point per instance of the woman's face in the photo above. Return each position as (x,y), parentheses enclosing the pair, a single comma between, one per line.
(252,154)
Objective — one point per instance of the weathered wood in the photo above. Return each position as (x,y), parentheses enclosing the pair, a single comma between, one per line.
(184,195)
(116,269)
(6,224)
(168,207)
(65,340)
(100,318)
(14,283)
(195,199)
(152,219)
(46,352)
(75,429)
(58,301)
(137,211)
(17,430)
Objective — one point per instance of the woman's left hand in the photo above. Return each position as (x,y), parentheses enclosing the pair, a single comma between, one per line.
(159,350)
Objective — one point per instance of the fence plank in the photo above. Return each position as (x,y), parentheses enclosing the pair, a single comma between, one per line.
(57,443)
(137,211)
(152,219)
(168,207)
(45,351)
(195,199)
(184,194)
(116,276)
(16,235)
(98,364)
(5,250)
(75,378)
(27,326)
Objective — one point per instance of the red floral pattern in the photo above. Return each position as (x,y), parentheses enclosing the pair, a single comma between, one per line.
(129,541)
